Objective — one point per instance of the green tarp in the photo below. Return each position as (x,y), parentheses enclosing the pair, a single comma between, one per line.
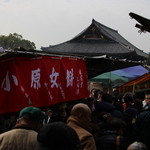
(110,79)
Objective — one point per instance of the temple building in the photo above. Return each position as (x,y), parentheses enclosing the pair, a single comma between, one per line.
(100,41)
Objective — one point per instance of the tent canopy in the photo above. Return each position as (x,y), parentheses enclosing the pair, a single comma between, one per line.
(119,77)
(131,72)
(110,79)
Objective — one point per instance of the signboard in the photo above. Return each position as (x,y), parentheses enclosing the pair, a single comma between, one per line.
(41,81)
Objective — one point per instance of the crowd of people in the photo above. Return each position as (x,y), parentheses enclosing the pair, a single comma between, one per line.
(100,122)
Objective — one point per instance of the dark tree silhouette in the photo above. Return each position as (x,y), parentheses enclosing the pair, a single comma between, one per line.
(15,40)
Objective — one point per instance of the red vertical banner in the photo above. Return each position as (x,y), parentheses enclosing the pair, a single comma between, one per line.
(41,82)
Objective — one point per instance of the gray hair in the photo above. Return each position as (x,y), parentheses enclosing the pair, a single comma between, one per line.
(137,146)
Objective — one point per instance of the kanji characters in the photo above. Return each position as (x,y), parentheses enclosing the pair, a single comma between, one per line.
(69,77)
(79,82)
(53,78)
(80,78)
(6,82)
(35,78)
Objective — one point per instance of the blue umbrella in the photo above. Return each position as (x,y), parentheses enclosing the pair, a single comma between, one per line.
(131,72)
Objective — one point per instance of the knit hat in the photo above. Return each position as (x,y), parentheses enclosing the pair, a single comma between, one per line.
(33,112)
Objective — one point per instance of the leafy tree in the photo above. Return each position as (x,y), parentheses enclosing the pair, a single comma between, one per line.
(15,40)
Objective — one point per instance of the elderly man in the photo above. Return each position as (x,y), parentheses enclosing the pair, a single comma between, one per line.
(23,136)
(79,120)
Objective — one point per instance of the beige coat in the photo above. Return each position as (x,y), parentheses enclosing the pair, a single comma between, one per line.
(18,139)
(86,138)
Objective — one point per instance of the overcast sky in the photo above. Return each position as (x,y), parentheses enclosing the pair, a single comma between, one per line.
(50,22)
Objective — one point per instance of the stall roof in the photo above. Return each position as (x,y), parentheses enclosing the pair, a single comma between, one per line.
(95,65)
(139,84)
(138,80)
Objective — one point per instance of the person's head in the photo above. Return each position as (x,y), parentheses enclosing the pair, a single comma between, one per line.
(82,112)
(49,112)
(137,146)
(90,102)
(107,98)
(92,92)
(31,116)
(115,89)
(62,110)
(128,98)
(57,136)
(116,124)
(147,97)
(98,94)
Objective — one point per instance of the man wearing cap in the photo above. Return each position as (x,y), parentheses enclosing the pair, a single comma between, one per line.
(24,135)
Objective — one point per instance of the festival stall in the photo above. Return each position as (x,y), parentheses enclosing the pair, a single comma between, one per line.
(139,84)
(40,81)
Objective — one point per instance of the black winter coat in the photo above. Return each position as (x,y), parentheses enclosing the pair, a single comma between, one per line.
(141,130)
(110,140)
